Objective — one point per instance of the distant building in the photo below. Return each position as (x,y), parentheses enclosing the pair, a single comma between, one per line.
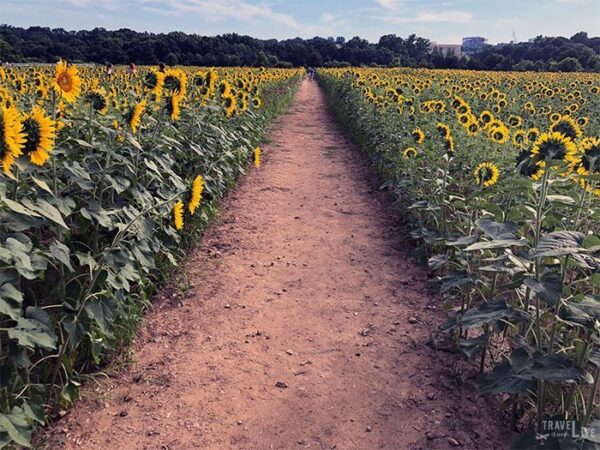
(473,44)
(445,49)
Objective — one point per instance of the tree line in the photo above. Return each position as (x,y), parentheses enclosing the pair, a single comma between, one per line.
(124,46)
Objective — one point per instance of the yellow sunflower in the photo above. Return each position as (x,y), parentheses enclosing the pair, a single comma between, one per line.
(554,146)
(173,107)
(567,126)
(196,194)
(134,118)
(486,174)
(410,152)
(40,132)
(178,215)
(12,137)
(67,83)
(418,135)
(257,156)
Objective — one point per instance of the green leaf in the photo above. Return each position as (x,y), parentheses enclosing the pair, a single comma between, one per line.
(11,300)
(32,333)
(19,434)
(497,230)
(549,288)
(42,184)
(62,253)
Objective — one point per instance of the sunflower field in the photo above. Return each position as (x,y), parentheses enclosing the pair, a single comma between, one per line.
(105,180)
(498,176)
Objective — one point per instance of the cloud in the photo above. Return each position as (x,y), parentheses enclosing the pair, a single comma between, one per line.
(433,17)
(211,10)
(390,4)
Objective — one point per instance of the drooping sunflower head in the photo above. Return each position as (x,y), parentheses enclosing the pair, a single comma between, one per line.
(40,132)
(12,138)
(178,215)
(567,126)
(410,152)
(418,135)
(554,146)
(486,174)
(67,83)
(196,194)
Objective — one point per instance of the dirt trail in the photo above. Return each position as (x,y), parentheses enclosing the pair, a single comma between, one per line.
(305,280)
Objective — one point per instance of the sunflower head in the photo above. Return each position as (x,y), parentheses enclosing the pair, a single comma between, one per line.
(196,194)
(486,174)
(40,132)
(67,83)
(257,156)
(567,126)
(12,137)
(554,146)
(418,135)
(178,215)
(410,152)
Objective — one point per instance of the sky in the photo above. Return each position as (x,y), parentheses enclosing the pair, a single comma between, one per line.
(443,21)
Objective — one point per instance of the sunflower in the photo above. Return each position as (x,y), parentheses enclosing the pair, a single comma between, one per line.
(67,83)
(519,138)
(98,100)
(418,135)
(257,157)
(449,146)
(499,134)
(410,152)
(583,121)
(230,104)
(588,157)
(443,129)
(567,126)
(134,117)
(196,194)
(12,137)
(533,134)
(178,214)
(40,132)
(486,117)
(472,128)
(554,146)
(256,102)
(173,107)
(529,167)
(486,174)
(176,81)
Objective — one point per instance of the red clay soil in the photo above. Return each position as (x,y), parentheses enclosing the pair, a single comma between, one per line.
(307,325)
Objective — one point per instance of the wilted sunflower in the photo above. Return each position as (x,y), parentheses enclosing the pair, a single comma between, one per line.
(554,146)
(67,83)
(196,194)
(12,137)
(257,157)
(134,117)
(486,174)
(40,132)
(410,152)
(178,214)
(418,135)
(567,126)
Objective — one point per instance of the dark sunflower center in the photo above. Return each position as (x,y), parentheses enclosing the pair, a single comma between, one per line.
(553,150)
(485,174)
(591,160)
(65,82)
(172,82)
(151,80)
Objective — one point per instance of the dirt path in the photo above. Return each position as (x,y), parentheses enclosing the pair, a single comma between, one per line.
(304,280)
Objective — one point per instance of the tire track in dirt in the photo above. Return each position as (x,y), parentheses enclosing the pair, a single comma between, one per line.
(306,280)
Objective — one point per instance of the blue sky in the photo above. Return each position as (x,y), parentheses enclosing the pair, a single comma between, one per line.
(444,21)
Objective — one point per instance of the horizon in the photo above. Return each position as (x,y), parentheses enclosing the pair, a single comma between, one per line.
(440,21)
